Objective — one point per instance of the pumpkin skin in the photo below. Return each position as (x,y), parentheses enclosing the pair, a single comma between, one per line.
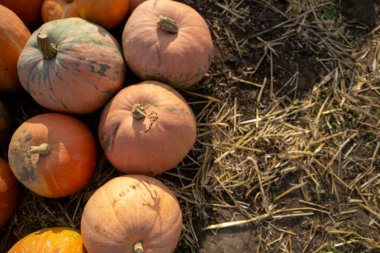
(13,37)
(28,11)
(53,155)
(50,240)
(4,123)
(133,4)
(148,145)
(86,71)
(179,58)
(9,192)
(58,9)
(128,210)
(106,13)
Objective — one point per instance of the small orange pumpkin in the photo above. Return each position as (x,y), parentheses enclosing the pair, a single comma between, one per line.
(57,9)
(50,240)
(106,13)
(13,37)
(167,41)
(132,214)
(71,65)
(4,123)
(53,154)
(147,128)
(9,192)
(28,11)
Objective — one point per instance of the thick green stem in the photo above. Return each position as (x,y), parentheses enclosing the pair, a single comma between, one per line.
(43,149)
(49,50)
(138,247)
(167,24)
(138,111)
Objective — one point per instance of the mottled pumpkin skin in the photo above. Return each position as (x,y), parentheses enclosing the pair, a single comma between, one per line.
(129,209)
(13,37)
(4,123)
(179,59)
(29,11)
(147,146)
(9,192)
(58,9)
(50,240)
(86,72)
(67,168)
(106,13)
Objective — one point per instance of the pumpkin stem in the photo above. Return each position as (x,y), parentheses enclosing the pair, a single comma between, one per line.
(138,247)
(43,149)
(49,50)
(138,111)
(167,24)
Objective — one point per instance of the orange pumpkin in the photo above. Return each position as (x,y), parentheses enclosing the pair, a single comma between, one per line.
(50,240)
(169,42)
(71,65)
(29,11)
(13,37)
(53,154)
(132,214)
(106,13)
(4,123)
(9,192)
(147,128)
(57,9)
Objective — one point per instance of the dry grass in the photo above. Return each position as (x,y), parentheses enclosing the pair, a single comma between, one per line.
(301,166)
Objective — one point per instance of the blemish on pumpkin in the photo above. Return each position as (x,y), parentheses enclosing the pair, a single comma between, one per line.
(27,174)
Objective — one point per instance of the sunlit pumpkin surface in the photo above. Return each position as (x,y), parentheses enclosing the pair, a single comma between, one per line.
(50,240)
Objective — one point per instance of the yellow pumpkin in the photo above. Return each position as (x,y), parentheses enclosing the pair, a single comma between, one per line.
(50,240)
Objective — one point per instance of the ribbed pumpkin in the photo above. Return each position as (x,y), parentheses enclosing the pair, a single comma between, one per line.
(4,123)
(57,9)
(50,240)
(29,11)
(71,65)
(106,13)
(9,192)
(13,37)
(169,42)
(53,154)
(147,128)
(132,214)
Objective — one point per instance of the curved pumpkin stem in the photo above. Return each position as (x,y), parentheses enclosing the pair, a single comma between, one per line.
(43,149)
(49,50)
(167,24)
(138,111)
(138,247)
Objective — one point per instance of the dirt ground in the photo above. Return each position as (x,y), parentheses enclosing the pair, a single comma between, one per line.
(286,158)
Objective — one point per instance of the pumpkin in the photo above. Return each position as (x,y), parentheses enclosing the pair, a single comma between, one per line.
(169,42)
(52,154)
(106,13)
(13,37)
(57,9)
(28,11)
(131,214)
(133,4)
(9,192)
(50,240)
(147,128)
(71,65)
(4,123)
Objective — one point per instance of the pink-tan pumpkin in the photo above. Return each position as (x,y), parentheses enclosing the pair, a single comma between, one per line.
(167,41)
(147,128)
(132,214)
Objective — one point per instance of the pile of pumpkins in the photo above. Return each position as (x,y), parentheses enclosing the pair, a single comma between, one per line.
(73,65)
